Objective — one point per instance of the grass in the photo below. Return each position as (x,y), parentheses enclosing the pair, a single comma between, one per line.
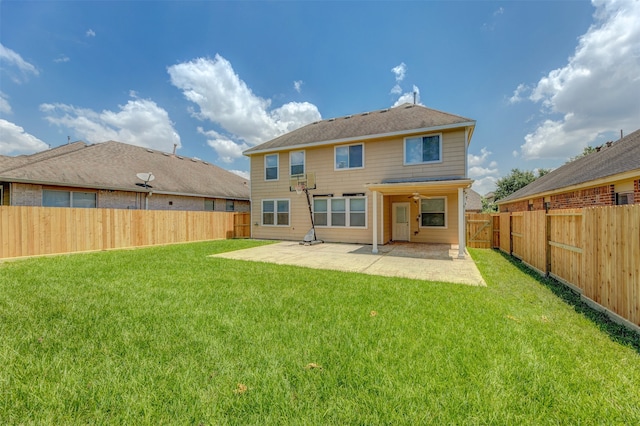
(168,335)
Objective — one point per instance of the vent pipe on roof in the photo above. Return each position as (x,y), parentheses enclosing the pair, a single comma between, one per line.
(414,97)
(68,140)
(621,135)
(175,145)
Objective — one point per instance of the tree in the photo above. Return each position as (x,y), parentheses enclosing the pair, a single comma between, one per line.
(515,180)
(586,151)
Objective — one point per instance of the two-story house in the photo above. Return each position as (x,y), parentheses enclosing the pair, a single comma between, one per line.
(396,174)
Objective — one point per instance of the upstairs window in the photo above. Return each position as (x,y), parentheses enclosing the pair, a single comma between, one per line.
(423,149)
(230,206)
(296,161)
(271,167)
(349,157)
(433,212)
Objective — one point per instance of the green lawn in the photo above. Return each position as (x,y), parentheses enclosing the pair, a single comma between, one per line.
(168,335)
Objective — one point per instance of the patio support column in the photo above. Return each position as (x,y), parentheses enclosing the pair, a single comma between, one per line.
(461,225)
(375,223)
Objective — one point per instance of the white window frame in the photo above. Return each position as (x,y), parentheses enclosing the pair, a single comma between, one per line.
(277,167)
(335,157)
(347,212)
(446,215)
(404,149)
(304,163)
(275,212)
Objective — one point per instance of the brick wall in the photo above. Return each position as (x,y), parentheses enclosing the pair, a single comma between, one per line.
(23,194)
(26,194)
(636,191)
(592,197)
(520,206)
(108,199)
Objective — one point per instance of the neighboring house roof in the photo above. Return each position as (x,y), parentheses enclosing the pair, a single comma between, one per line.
(474,201)
(611,160)
(406,118)
(114,165)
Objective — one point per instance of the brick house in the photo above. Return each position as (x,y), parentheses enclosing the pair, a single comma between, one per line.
(610,176)
(103,175)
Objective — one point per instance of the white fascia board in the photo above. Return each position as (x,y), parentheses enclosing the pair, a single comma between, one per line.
(364,137)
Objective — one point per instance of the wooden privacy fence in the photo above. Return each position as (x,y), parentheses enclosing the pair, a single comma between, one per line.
(33,231)
(596,251)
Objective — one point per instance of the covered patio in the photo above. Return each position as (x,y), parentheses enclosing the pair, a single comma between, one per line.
(396,202)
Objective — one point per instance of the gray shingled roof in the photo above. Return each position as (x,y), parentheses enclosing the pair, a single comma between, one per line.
(403,118)
(622,156)
(474,201)
(113,165)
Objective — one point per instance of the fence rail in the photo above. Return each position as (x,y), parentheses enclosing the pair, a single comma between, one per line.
(33,231)
(596,251)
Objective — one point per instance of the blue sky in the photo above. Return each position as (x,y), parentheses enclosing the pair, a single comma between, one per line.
(542,79)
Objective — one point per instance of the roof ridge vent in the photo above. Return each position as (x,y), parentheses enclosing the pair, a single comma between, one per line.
(384,110)
(331,119)
(150,150)
(166,154)
(347,117)
(365,113)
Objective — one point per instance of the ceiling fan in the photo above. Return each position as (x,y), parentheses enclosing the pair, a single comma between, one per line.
(416,196)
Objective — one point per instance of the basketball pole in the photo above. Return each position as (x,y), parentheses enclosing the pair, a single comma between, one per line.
(313,226)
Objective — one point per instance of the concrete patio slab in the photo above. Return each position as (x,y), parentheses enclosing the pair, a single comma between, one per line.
(431,262)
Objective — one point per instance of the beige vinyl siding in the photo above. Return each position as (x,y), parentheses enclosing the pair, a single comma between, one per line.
(383,159)
(448,235)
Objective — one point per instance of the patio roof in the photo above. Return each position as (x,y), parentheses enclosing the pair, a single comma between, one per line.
(404,186)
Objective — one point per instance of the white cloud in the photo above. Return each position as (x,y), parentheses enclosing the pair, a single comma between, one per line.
(227,149)
(223,98)
(298,85)
(140,122)
(476,160)
(14,140)
(597,91)
(484,185)
(399,71)
(484,177)
(499,11)
(396,90)
(5,107)
(408,97)
(61,58)
(518,94)
(10,60)
(90,33)
(241,173)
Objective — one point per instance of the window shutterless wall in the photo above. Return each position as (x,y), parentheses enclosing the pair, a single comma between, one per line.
(382,159)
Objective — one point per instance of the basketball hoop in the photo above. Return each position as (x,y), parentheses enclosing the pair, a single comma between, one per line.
(299,188)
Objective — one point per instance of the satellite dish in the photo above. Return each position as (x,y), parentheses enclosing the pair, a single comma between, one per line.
(146,177)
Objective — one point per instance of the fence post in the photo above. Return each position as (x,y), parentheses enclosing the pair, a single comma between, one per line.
(547,226)
(510,234)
